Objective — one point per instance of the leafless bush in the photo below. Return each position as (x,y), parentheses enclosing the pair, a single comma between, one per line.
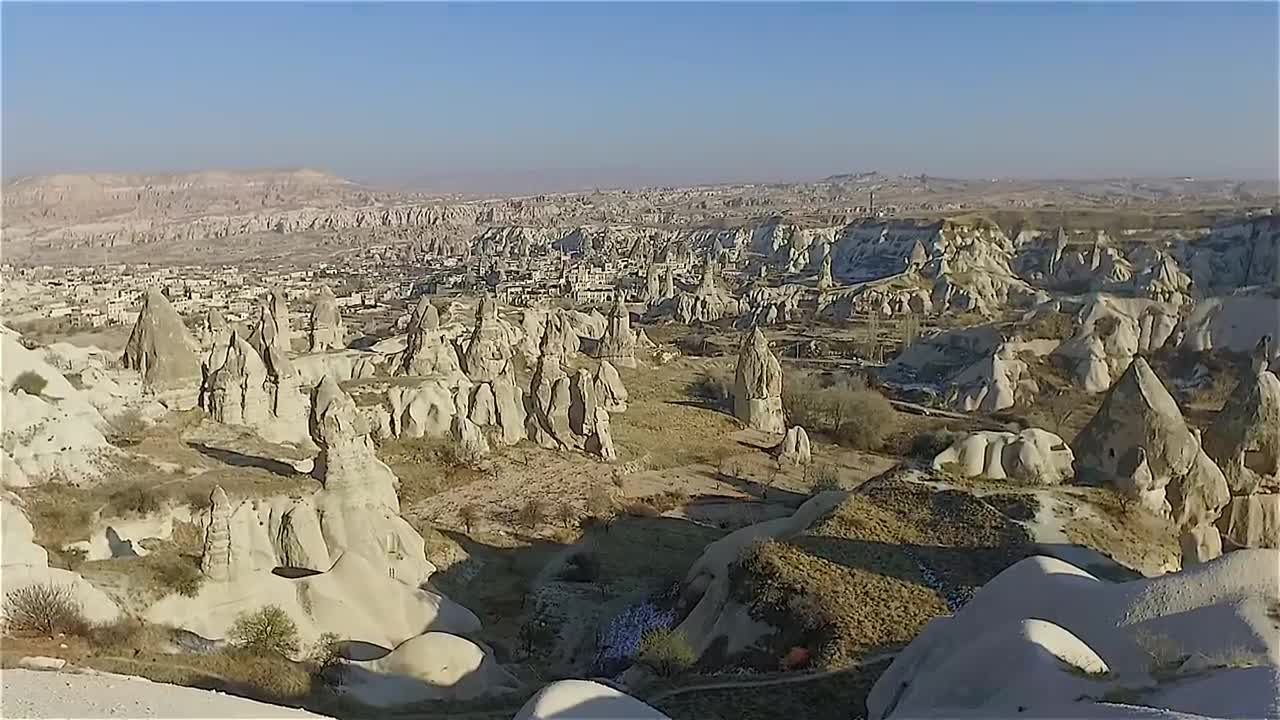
(44,609)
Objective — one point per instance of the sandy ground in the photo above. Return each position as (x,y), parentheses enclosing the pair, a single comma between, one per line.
(34,694)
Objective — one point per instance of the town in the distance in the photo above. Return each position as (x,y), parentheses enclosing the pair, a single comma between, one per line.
(867,446)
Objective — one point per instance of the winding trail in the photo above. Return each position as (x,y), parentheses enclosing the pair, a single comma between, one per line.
(784,680)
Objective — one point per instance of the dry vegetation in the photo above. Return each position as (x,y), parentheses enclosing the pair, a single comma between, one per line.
(852,585)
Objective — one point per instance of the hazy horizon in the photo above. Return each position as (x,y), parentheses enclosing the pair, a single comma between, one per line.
(522,97)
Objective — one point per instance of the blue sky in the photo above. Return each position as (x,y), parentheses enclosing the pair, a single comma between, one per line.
(474,93)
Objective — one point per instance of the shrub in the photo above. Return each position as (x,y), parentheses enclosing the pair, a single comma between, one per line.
(134,498)
(863,418)
(469,514)
(931,443)
(714,387)
(268,631)
(125,634)
(127,428)
(267,677)
(666,652)
(178,573)
(566,514)
(44,609)
(825,478)
(326,658)
(532,514)
(30,383)
(802,400)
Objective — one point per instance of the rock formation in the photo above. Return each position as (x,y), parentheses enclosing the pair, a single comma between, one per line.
(427,350)
(757,388)
(1140,443)
(470,440)
(212,327)
(610,392)
(1244,440)
(326,330)
(266,330)
(283,320)
(549,399)
(160,348)
(825,280)
(488,355)
(795,448)
(241,388)
(347,463)
(652,285)
(234,388)
(216,560)
(1068,643)
(1032,456)
(991,383)
(618,344)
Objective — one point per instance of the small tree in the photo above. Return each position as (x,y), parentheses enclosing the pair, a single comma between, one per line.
(326,658)
(46,609)
(566,514)
(825,478)
(469,514)
(600,506)
(30,383)
(532,514)
(666,652)
(265,632)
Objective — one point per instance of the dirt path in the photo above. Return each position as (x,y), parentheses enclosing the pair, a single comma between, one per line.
(785,680)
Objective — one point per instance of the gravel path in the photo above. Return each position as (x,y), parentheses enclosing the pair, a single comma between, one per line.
(35,694)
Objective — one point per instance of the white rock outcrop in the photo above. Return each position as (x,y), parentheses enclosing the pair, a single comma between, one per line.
(326,331)
(1032,456)
(1139,443)
(431,666)
(24,563)
(618,343)
(795,448)
(1067,643)
(160,348)
(585,700)
(757,387)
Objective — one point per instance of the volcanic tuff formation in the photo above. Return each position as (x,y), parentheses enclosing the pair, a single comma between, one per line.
(160,348)
(757,387)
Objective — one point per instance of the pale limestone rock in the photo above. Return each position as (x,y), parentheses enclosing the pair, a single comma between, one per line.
(825,280)
(582,404)
(160,348)
(470,440)
(283,320)
(1031,456)
(488,355)
(1139,442)
(1251,521)
(618,344)
(326,331)
(235,390)
(483,412)
(426,409)
(508,400)
(991,383)
(610,392)
(216,560)
(24,563)
(347,463)
(757,389)
(1244,438)
(652,284)
(601,441)
(428,350)
(795,448)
